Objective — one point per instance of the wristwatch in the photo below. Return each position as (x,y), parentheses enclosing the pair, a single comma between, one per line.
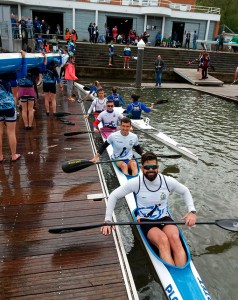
(193,211)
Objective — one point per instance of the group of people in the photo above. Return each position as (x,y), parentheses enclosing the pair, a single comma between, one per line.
(20,90)
(151,189)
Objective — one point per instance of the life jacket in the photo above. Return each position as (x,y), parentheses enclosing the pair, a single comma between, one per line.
(136,111)
(116,99)
(67,36)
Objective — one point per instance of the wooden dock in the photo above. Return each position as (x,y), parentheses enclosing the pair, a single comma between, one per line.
(36,195)
(193,76)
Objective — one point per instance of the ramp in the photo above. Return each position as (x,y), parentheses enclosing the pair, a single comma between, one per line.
(193,76)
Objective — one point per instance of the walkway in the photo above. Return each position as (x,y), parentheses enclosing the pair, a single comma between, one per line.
(36,195)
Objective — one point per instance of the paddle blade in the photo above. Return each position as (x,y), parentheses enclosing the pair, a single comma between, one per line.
(76,165)
(228,224)
(74,133)
(61,114)
(73,229)
(161,101)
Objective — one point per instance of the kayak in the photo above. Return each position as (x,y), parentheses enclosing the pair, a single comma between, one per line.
(179,283)
(12,62)
(144,125)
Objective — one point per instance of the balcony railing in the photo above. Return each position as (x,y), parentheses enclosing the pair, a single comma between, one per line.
(159,3)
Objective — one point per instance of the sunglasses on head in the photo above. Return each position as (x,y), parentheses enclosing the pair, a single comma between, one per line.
(109,105)
(148,167)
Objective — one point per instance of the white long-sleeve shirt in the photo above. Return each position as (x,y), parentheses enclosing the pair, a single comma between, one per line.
(150,195)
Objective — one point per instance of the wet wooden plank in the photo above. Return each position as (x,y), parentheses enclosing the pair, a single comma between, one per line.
(36,195)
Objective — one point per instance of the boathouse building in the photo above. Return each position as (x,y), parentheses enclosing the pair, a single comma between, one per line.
(152,16)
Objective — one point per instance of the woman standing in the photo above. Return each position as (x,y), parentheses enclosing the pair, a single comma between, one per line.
(70,77)
(27,94)
(8,114)
(50,77)
(67,35)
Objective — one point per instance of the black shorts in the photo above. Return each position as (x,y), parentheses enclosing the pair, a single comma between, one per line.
(49,88)
(8,115)
(146,227)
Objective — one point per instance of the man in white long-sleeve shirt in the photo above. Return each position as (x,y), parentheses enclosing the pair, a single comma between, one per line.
(152,192)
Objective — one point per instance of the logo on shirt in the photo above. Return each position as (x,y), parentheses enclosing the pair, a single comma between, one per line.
(163,196)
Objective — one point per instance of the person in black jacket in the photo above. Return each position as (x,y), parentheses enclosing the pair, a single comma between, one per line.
(159,65)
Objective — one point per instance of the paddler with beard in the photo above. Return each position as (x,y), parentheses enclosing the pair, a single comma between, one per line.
(152,191)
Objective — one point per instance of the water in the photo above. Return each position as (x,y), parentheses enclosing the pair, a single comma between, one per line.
(209,127)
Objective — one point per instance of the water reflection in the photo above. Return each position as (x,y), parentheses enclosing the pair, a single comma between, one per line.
(208,126)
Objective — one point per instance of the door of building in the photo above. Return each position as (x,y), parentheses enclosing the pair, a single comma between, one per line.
(178,29)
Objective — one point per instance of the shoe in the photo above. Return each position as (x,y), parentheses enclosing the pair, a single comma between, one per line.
(71,99)
(30,127)
(156,84)
(124,67)
(2,159)
(47,114)
(128,67)
(26,128)
(15,157)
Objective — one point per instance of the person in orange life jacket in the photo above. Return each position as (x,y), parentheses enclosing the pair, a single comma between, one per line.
(8,115)
(50,77)
(116,98)
(67,34)
(122,142)
(74,35)
(109,117)
(98,104)
(70,76)
(27,94)
(93,91)
(134,109)
(152,191)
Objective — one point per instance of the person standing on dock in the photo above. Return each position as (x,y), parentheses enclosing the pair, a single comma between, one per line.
(134,109)
(8,115)
(152,192)
(122,142)
(159,65)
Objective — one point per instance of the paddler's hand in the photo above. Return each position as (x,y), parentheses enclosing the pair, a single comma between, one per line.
(86,116)
(106,230)
(95,130)
(22,53)
(190,219)
(152,106)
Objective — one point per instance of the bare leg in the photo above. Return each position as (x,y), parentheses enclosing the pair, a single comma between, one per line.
(53,101)
(1,136)
(132,165)
(158,238)
(123,166)
(47,102)
(11,133)
(179,255)
(25,113)
(30,112)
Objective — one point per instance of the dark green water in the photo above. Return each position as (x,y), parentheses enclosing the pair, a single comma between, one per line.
(209,127)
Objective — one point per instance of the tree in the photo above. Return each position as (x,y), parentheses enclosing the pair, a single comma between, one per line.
(229,12)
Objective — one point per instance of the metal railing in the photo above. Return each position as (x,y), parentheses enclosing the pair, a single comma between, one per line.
(159,3)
